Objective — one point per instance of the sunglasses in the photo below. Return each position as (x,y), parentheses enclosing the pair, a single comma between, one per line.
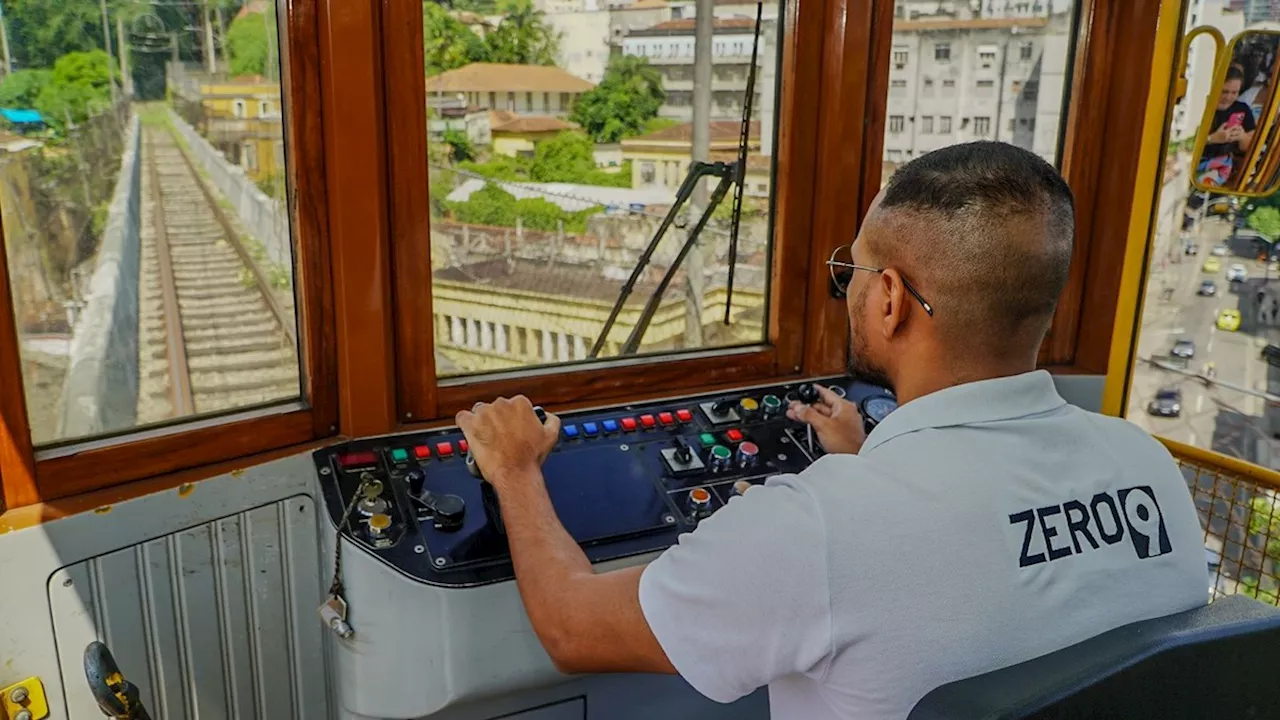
(841,279)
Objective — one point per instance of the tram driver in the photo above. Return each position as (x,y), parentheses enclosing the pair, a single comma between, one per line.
(983,523)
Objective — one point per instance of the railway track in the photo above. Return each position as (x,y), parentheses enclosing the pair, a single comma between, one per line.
(213,336)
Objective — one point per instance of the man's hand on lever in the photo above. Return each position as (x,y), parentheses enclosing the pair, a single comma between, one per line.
(836,421)
(507,440)
(587,622)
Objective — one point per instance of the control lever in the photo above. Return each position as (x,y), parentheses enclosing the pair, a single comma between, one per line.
(808,394)
(683,452)
(490,496)
(117,698)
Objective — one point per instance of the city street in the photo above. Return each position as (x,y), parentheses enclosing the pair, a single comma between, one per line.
(1213,416)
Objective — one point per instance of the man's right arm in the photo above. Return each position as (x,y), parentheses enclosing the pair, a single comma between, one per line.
(836,421)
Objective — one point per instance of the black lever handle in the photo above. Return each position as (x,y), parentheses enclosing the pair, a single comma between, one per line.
(117,698)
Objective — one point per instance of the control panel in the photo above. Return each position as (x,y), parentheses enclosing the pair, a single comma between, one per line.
(623,480)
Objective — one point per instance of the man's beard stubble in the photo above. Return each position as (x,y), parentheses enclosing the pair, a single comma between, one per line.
(858,364)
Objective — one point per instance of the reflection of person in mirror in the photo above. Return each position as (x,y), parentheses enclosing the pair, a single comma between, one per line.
(1231,131)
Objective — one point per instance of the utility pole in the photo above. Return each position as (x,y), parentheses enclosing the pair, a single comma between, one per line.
(4,42)
(222,36)
(210,56)
(106,44)
(703,31)
(125,72)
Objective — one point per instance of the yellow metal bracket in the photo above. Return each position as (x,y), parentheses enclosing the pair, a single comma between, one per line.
(24,701)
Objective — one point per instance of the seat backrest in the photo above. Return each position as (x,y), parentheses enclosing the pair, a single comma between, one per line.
(1220,660)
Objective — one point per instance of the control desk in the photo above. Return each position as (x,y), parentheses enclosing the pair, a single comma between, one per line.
(623,480)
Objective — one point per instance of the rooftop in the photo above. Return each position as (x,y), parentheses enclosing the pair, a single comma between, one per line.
(504,121)
(587,282)
(971,24)
(722,131)
(568,196)
(501,77)
(686,25)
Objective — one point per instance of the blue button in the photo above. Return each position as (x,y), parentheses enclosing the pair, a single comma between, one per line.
(571,431)
(610,426)
(590,429)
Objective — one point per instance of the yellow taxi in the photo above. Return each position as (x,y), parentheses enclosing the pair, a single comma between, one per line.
(1229,320)
(1211,265)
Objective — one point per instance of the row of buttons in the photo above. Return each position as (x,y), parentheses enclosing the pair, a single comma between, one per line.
(444,449)
(627,424)
(733,435)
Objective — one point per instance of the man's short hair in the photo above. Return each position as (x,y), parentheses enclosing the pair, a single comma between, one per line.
(987,227)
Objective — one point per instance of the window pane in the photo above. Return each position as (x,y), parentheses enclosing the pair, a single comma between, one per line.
(1206,368)
(144,210)
(1000,54)
(542,212)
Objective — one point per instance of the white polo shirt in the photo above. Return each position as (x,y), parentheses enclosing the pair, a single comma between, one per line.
(980,526)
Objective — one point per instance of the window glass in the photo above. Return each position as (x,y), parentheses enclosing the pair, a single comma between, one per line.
(1207,372)
(1001,55)
(540,215)
(144,209)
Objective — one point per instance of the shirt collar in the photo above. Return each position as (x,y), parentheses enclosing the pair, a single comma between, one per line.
(1003,398)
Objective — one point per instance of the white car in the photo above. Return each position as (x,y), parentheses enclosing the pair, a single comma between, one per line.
(1219,250)
(1237,273)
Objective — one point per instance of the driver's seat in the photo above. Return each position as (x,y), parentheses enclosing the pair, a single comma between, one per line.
(1218,661)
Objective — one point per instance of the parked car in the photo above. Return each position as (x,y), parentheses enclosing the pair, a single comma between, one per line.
(1219,250)
(1166,403)
(1211,265)
(1271,353)
(1191,249)
(1185,349)
(1229,320)
(1208,288)
(1237,273)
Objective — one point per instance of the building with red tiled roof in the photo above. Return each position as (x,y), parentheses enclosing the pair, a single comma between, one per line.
(522,89)
(514,134)
(661,159)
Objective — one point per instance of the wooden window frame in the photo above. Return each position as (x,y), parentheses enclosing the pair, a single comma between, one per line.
(32,475)
(793,268)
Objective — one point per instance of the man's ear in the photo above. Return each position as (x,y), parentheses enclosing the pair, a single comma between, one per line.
(895,307)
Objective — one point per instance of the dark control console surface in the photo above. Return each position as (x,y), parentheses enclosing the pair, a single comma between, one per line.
(624,480)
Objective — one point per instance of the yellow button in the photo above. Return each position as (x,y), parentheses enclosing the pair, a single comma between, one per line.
(749,404)
(379,522)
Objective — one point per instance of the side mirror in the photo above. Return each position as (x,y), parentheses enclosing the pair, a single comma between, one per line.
(1236,149)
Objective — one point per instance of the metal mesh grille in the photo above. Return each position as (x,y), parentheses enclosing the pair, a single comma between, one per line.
(1242,530)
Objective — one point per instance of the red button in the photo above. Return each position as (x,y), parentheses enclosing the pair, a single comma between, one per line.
(734,435)
(628,423)
(648,421)
(665,418)
(422,451)
(462,445)
(354,459)
(684,415)
(444,449)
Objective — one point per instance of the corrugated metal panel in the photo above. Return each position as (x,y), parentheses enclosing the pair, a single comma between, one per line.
(215,622)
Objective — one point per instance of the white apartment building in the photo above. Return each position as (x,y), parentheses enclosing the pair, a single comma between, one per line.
(669,46)
(959,74)
(584,42)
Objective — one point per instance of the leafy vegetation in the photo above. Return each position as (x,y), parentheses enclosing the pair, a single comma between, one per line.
(77,88)
(249,44)
(1266,220)
(568,158)
(491,205)
(624,103)
(522,37)
(460,148)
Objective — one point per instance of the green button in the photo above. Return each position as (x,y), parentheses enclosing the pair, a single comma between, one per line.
(707,439)
(399,454)
(771,402)
(721,452)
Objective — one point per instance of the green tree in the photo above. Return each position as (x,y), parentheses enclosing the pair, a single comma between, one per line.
(41,31)
(251,44)
(522,38)
(22,88)
(491,205)
(459,145)
(621,105)
(564,158)
(1266,220)
(78,88)
(447,43)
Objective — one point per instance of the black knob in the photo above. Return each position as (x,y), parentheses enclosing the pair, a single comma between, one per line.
(449,512)
(808,393)
(683,453)
(722,407)
(414,479)
(542,414)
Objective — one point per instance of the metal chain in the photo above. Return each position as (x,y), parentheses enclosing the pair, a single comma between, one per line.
(335,588)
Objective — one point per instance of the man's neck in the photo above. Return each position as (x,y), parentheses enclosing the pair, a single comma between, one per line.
(922,379)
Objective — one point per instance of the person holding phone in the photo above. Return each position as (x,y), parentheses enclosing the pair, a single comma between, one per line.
(1232,131)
